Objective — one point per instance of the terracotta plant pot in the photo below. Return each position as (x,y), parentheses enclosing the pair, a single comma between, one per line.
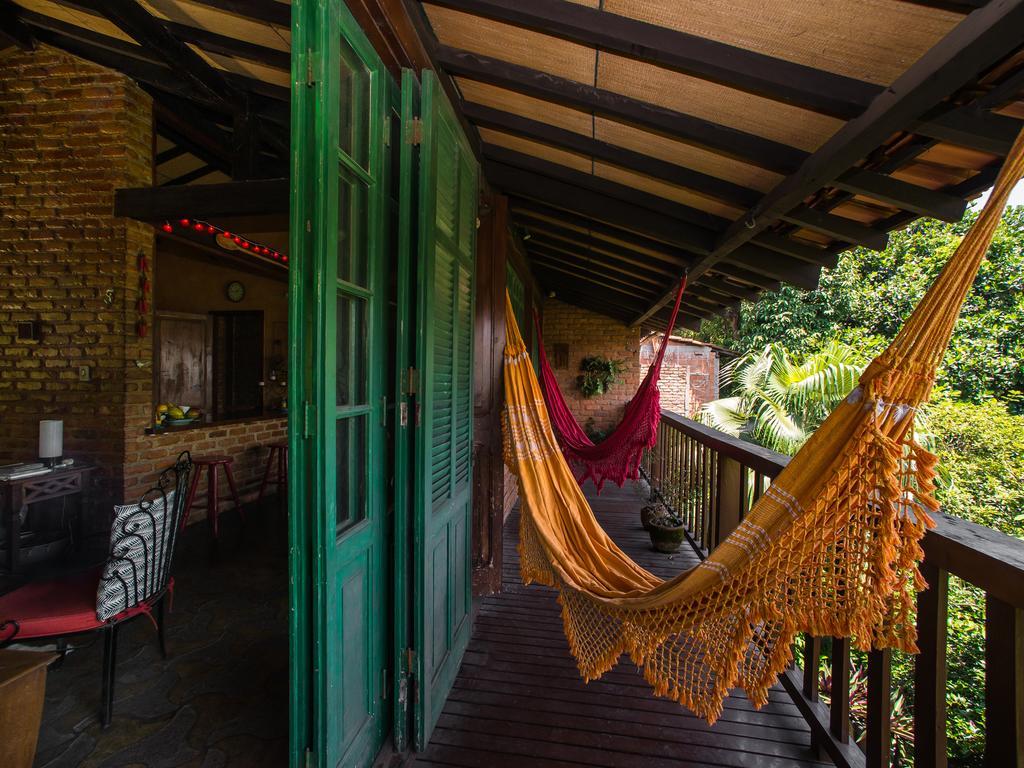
(650,511)
(667,534)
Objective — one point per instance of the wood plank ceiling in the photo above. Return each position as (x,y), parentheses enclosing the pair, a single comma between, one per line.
(218,71)
(743,141)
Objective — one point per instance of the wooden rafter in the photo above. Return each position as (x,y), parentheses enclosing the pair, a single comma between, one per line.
(13,30)
(721,139)
(150,33)
(631,260)
(979,41)
(561,138)
(739,68)
(620,214)
(693,221)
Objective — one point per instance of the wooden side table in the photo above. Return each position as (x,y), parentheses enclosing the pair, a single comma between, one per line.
(22,690)
(16,495)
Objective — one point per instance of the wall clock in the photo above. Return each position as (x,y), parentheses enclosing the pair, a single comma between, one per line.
(236,291)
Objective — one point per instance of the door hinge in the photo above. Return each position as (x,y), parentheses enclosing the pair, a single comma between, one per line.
(310,758)
(308,415)
(387,131)
(415,133)
(310,77)
(412,378)
(383,410)
(384,684)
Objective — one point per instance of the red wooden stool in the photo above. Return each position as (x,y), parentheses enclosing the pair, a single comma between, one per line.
(278,450)
(210,464)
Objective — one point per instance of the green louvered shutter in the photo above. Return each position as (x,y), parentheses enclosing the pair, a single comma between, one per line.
(444,497)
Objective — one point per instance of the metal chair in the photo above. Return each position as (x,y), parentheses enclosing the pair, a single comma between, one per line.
(134,581)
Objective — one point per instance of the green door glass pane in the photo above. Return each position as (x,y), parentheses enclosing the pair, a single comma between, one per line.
(352,214)
(351,468)
(354,96)
(350,360)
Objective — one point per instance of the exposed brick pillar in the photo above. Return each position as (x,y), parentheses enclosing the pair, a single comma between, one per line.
(71,133)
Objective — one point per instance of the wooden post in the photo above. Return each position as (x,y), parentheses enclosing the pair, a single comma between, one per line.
(930,670)
(730,497)
(1004,684)
(879,725)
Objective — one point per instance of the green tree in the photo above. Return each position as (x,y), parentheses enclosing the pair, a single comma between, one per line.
(778,399)
(867,297)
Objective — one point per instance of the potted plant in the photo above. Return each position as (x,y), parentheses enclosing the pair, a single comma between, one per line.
(650,511)
(667,532)
(597,374)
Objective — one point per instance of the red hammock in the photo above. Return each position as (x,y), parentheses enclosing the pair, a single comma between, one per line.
(617,457)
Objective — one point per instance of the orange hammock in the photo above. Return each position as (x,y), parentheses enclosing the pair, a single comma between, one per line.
(617,457)
(831,548)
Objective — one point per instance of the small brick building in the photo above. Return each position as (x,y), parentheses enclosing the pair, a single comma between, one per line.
(689,374)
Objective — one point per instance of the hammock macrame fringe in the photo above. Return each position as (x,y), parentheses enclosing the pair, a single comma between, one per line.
(617,457)
(831,548)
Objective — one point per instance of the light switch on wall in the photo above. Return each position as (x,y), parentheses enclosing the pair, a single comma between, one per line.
(84,373)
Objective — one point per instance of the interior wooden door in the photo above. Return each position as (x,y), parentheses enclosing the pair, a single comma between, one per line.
(337,288)
(446,246)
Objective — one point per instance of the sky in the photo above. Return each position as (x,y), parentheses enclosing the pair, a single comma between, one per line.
(1016,197)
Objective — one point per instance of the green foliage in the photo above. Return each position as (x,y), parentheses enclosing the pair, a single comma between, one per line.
(973,423)
(778,398)
(868,296)
(597,375)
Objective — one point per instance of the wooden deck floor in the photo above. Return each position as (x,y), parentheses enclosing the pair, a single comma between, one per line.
(519,701)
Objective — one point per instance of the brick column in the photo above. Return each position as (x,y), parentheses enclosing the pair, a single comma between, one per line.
(71,133)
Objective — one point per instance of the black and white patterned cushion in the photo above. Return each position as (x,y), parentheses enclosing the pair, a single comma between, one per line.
(139,539)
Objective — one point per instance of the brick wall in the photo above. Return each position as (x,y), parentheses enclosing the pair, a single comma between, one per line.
(70,134)
(689,373)
(244,441)
(588,333)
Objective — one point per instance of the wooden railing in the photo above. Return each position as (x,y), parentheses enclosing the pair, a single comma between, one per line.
(712,479)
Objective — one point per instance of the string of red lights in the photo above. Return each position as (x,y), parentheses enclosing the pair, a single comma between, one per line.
(204,227)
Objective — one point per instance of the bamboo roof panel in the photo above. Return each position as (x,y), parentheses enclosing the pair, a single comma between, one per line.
(872,40)
(518,46)
(720,104)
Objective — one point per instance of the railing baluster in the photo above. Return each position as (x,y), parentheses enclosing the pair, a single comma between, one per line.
(930,670)
(1004,684)
(878,745)
(839,705)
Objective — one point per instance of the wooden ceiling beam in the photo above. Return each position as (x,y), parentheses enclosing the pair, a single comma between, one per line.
(776,266)
(973,128)
(631,261)
(982,39)
(171,153)
(677,257)
(729,289)
(229,46)
(693,55)
(193,175)
(731,142)
(585,256)
(639,162)
(637,219)
(149,32)
(13,29)
(737,272)
(699,225)
(267,197)
(267,11)
(823,257)
(838,227)
(584,283)
(539,257)
(903,195)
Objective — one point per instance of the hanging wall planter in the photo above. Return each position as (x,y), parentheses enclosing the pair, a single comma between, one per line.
(597,375)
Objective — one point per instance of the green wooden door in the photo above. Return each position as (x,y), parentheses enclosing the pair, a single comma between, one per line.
(338,382)
(446,247)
